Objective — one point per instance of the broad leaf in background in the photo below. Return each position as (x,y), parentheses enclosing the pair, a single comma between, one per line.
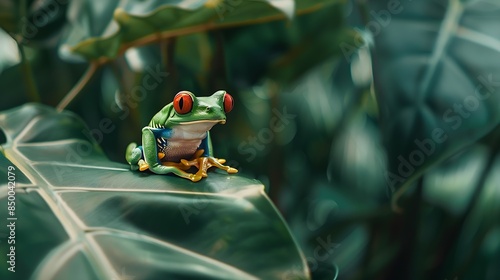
(134,23)
(450,186)
(451,183)
(437,73)
(9,53)
(327,228)
(79,212)
(357,160)
(329,211)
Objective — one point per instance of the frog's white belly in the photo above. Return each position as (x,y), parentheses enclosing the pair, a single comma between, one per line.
(184,141)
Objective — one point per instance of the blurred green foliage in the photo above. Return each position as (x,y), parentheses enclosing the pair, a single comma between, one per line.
(361,83)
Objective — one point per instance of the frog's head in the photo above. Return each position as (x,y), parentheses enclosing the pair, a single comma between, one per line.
(189,109)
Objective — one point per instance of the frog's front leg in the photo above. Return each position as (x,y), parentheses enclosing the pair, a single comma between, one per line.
(203,159)
(204,163)
(151,158)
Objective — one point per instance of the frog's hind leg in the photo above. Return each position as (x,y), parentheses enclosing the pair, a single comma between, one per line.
(134,156)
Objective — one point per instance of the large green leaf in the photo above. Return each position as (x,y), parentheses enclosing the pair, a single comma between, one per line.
(437,72)
(357,159)
(451,184)
(78,212)
(101,32)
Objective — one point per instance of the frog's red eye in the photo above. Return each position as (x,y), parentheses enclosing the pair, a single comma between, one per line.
(228,103)
(183,103)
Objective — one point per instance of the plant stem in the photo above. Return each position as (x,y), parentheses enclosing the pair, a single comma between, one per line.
(365,262)
(404,267)
(363,10)
(404,235)
(89,73)
(22,13)
(26,69)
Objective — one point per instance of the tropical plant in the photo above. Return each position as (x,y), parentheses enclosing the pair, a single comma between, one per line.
(366,134)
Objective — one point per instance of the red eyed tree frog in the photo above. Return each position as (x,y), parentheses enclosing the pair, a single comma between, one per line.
(181,131)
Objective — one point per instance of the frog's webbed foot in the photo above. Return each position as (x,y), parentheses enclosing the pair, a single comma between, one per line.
(176,164)
(179,168)
(186,175)
(164,169)
(204,163)
(170,163)
(143,166)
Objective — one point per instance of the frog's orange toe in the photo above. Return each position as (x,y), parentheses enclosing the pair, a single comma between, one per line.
(231,170)
(195,177)
(143,166)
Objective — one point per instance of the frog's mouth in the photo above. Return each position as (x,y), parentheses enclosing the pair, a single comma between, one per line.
(194,130)
(204,121)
